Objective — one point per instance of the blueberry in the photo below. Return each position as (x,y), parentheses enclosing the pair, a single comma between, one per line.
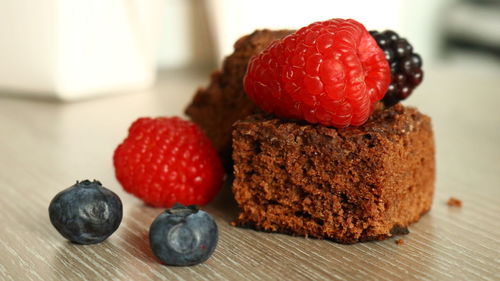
(183,236)
(86,213)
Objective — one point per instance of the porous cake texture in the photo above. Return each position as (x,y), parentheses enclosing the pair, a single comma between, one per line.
(348,185)
(216,107)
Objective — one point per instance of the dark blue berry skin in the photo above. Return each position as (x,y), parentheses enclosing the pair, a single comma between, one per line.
(183,236)
(86,213)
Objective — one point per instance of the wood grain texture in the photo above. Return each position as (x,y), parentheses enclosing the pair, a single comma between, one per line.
(47,146)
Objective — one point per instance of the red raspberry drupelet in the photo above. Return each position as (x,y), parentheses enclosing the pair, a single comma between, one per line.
(168,160)
(330,72)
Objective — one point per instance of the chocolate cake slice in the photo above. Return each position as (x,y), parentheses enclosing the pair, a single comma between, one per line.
(216,107)
(348,185)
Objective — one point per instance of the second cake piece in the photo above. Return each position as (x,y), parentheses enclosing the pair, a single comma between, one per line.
(223,102)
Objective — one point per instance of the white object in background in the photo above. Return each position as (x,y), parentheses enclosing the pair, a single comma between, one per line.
(176,48)
(415,20)
(186,40)
(232,19)
(74,49)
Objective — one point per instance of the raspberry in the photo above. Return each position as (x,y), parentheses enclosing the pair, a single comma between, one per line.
(406,66)
(168,160)
(330,72)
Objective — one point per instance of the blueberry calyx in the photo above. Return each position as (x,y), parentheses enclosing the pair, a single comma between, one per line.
(179,209)
(88,183)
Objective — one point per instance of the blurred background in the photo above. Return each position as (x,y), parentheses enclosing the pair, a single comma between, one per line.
(71,49)
(463,32)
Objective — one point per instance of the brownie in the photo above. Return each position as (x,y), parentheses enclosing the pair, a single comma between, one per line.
(348,185)
(216,107)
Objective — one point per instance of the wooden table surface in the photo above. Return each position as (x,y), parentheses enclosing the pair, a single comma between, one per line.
(46,146)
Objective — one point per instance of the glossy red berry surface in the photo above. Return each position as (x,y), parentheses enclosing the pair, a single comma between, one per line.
(167,160)
(330,72)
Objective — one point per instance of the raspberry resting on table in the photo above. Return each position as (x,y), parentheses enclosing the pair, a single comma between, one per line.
(406,66)
(330,72)
(168,160)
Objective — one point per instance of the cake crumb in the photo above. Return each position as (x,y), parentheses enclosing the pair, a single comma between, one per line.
(454,202)
(399,242)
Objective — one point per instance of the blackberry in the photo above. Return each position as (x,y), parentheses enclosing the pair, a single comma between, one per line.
(406,66)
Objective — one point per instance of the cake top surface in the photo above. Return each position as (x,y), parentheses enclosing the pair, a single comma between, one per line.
(393,121)
(332,73)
